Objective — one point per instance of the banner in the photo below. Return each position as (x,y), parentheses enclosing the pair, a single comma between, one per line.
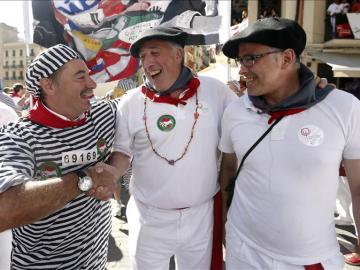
(354,21)
(103,30)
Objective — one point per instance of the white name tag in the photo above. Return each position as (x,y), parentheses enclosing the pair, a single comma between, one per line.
(79,157)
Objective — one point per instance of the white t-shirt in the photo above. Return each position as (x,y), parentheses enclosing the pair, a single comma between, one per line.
(7,115)
(334,9)
(193,179)
(285,194)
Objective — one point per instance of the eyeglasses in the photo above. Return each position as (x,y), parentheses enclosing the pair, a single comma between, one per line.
(249,60)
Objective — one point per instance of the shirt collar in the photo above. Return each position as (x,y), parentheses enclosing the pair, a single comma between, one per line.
(82,116)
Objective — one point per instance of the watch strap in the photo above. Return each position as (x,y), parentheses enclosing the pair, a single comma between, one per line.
(80,173)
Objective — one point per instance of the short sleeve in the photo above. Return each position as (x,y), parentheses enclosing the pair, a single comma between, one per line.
(225,144)
(16,161)
(352,145)
(123,139)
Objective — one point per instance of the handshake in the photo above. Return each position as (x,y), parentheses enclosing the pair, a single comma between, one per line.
(104,179)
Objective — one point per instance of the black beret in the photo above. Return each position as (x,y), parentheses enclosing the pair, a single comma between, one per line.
(173,34)
(273,32)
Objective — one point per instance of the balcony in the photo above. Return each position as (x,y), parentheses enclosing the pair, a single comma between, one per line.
(341,26)
(6,66)
(20,66)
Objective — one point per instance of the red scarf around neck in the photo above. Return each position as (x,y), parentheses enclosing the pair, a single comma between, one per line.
(190,90)
(40,115)
(277,114)
(15,94)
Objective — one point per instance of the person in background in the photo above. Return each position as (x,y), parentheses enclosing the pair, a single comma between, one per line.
(238,87)
(241,26)
(234,21)
(20,96)
(282,212)
(333,10)
(7,91)
(355,6)
(6,99)
(345,6)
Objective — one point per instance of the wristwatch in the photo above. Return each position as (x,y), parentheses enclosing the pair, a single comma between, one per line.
(85,182)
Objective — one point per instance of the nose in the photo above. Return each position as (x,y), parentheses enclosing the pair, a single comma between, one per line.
(243,69)
(90,83)
(147,60)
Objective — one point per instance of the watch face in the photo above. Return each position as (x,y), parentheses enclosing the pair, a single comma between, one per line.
(85,183)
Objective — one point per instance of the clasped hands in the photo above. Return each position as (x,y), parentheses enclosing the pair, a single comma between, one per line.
(105,179)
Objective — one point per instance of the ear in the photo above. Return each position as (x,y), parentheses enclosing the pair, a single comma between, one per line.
(289,58)
(180,54)
(47,86)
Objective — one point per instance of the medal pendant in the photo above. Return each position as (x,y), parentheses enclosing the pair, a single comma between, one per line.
(171,162)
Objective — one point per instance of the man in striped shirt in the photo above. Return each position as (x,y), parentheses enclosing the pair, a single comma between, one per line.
(47,168)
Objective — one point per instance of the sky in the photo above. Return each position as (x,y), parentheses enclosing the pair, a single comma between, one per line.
(11,13)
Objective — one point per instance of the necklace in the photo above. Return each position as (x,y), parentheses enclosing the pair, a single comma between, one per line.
(172,161)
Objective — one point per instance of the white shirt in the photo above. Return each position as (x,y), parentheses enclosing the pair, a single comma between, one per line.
(285,194)
(193,179)
(334,9)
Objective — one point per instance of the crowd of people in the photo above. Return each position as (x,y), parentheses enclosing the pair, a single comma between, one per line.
(208,167)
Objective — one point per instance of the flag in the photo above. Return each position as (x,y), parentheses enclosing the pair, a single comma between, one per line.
(102,30)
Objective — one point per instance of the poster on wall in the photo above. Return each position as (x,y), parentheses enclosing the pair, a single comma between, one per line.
(103,30)
(354,21)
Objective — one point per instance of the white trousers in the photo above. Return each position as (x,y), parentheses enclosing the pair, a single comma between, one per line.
(157,234)
(240,256)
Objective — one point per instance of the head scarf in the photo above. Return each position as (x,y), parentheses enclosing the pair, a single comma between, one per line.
(45,64)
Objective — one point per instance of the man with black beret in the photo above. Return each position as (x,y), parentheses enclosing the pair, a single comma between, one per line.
(170,125)
(281,215)
(47,169)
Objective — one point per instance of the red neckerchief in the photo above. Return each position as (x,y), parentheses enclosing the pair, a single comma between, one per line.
(316,266)
(277,114)
(15,94)
(342,171)
(40,115)
(190,90)
(217,250)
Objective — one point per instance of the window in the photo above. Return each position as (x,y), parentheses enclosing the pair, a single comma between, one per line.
(21,52)
(14,53)
(13,75)
(32,53)
(21,63)
(7,74)
(6,53)
(269,8)
(13,64)
(21,76)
